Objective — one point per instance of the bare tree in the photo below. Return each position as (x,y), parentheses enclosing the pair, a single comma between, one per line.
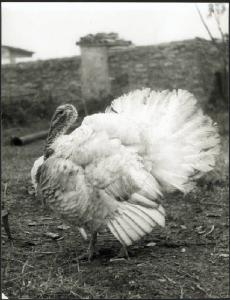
(217,11)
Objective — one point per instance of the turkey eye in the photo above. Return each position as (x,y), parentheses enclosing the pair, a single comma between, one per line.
(61,112)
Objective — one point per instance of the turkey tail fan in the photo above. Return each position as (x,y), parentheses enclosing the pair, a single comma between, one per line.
(183,143)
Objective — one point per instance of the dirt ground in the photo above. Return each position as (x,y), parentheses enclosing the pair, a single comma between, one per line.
(189,258)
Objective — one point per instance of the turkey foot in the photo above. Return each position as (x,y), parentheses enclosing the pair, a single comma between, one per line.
(91,249)
(123,253)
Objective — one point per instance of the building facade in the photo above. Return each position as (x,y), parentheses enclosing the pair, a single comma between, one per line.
(11,55)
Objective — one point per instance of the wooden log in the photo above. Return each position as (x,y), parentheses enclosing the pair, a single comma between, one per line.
(26,139)
(22,140)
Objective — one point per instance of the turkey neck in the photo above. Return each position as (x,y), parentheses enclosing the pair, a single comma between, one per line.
(54,133)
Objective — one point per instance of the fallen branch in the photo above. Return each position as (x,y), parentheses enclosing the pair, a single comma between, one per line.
(169,279)
(17,260)
(201,289)
(19,277)
(194,277)
(48,252)
(181,292)
(24,266)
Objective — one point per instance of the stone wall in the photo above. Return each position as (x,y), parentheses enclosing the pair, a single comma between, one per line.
(37,87)
(187,65)
(60,77)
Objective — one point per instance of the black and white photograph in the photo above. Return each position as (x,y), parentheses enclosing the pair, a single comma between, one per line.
(115,150)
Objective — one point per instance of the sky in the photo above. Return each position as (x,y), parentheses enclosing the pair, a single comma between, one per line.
(51,29)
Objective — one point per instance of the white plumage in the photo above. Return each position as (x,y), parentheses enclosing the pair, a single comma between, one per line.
(38,162)
(4,296)
(114,169)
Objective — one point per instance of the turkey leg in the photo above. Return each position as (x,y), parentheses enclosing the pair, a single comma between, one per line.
(123,252)
(91,248)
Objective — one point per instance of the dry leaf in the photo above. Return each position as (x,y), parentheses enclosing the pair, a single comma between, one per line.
(33,224)
(200,230)
(151,244)
(117,259)
(183,227)
(52,235)
(63,227)
(161,279)
(225,255)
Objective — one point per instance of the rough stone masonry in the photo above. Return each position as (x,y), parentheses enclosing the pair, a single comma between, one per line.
(108,67)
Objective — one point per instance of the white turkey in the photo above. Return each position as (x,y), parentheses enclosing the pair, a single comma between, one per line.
(38,162)
(113,170)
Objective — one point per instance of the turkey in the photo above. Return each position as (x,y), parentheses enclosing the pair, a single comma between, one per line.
(38,162)
(113,170)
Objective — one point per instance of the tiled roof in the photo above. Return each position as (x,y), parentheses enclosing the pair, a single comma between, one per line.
(18,50)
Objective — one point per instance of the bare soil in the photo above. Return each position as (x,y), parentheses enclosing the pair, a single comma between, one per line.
(189,258)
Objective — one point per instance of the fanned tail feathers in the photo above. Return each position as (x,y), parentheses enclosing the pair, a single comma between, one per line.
(182,142)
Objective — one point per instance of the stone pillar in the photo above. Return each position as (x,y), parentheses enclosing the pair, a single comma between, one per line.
(95,80)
